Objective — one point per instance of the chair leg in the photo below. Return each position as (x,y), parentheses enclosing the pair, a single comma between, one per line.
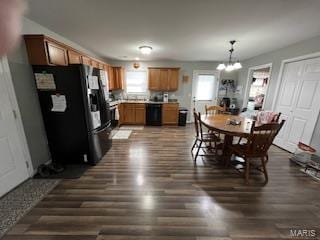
(195,158)
(194,144)
(263,162)
(247,171)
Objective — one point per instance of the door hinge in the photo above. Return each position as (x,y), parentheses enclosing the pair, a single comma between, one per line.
(27,163)
(15,114)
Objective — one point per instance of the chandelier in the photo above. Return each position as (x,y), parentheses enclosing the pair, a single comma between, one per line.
(231,65)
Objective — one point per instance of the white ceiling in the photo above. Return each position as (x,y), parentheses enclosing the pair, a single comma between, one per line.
(186,30)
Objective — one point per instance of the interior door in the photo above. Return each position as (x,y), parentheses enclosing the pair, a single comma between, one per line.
(204,90)
(13,168)
(298,102)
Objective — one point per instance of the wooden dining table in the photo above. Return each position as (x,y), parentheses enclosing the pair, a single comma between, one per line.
(220,123)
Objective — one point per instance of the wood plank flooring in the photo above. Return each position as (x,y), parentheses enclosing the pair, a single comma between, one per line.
(147,188)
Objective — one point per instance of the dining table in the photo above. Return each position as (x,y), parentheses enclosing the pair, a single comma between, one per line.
(221,123)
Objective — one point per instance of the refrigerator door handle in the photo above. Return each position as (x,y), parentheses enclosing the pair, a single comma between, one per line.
(103,129)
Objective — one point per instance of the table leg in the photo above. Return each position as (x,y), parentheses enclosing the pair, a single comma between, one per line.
(228,139)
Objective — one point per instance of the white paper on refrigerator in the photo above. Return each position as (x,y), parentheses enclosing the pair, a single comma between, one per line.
(45,81)
(59,103)
(93,82)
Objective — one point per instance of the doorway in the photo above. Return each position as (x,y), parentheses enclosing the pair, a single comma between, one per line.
(298,101)
(14,156)
(257,87)
(204,89)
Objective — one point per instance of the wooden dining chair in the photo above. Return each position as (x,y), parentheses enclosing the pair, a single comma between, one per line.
(214,109)
(203,138)
(257,146)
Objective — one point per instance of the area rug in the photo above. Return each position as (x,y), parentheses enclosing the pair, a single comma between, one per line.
(122,134)
(15,204)
(131,127)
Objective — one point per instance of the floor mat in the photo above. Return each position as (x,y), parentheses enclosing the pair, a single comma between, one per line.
(122,134)
(131,127)
(71,171)
(15,204)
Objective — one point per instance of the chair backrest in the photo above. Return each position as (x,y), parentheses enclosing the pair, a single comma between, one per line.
(261,137)
(197,123)
(277,117)
(265,117)
(214,109)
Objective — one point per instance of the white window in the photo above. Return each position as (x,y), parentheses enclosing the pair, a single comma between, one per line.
(205,87)
(136,82)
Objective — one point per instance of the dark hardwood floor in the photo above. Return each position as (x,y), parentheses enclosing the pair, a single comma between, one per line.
(147,187)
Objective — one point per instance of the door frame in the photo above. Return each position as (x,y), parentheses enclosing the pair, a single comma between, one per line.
(248,85)
(280,77)
(216,73)
(14,103)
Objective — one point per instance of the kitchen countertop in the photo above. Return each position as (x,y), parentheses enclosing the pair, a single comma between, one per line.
(116,102)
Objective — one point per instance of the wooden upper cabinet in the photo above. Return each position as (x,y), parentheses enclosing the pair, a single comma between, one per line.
(110,77)
(94,63)
(43,50)
(116,78)
(101,66)
(86,60)
(57,55)
(36,49)
(163,79)
(173,79)
(154,79)
(74,57)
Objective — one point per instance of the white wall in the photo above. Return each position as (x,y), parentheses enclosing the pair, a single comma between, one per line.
(275,57)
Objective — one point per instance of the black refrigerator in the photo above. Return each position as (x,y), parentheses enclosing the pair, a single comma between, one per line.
(75,110)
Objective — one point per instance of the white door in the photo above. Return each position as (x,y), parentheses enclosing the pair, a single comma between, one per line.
(298,101)
(204,90)
(13,168)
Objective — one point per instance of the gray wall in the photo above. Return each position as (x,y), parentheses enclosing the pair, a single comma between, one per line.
(184,93)
(26,93)
(302,48)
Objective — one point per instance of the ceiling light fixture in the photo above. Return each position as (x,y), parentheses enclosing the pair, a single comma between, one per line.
(231,65)
(146,50)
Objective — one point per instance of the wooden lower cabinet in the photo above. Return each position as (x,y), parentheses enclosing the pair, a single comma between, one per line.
(135,113)
(170,113)
(140,114)
(132,113)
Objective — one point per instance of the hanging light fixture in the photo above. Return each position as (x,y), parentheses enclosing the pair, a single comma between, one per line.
(231,65)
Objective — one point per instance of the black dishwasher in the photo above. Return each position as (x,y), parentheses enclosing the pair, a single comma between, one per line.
(154,114)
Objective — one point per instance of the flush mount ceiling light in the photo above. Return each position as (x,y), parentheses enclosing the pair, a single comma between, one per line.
(145,50)
(231,65)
